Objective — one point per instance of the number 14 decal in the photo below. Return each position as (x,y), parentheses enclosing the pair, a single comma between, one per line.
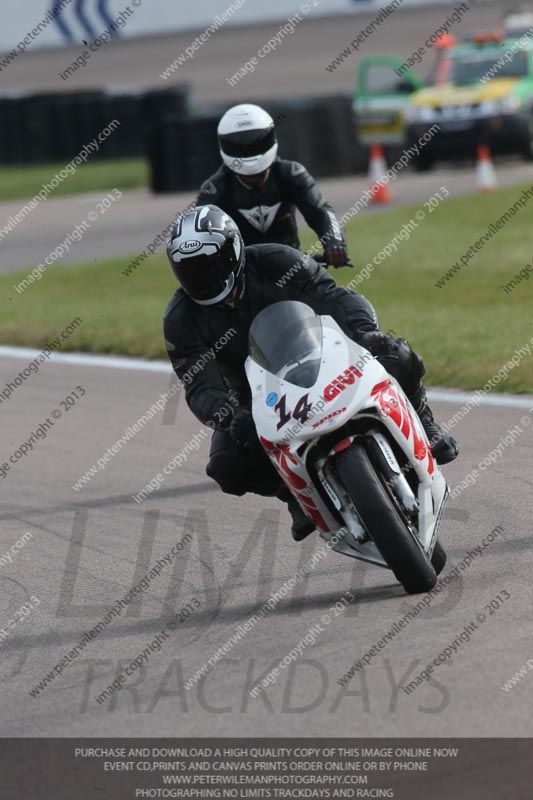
(300,413)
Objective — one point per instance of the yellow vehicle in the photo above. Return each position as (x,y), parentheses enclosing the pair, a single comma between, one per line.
(487,98)
(383,90)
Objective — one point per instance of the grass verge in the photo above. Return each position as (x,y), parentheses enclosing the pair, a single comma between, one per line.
(465,331)
(25,181)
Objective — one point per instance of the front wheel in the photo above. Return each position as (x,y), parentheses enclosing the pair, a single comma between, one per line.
(383,522)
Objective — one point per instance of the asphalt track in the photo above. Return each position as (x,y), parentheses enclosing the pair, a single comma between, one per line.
(89,548)
(296,67)
(137,217)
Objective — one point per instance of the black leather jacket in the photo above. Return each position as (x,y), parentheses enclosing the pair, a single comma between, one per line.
(208,345)
(267,214)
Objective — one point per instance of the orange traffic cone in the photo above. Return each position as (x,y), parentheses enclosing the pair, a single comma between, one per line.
(377,168)
(485,174)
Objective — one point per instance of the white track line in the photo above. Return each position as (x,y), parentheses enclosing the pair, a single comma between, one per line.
(88,360)
(454,396)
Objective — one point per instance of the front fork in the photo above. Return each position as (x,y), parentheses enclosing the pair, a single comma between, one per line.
(394,477)
(341,501)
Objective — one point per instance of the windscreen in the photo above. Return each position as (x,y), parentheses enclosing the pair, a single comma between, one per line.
(286,340)
(471,67)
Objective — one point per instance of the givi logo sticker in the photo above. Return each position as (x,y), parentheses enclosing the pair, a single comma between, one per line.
(341,382)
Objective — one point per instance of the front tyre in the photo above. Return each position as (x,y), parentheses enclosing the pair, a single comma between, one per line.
(383,522)
(438,558)
(526,141)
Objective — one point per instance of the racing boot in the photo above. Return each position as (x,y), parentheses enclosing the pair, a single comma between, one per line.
(444,448)
(301,524)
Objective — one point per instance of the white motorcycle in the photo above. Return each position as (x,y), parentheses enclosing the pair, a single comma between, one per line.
(347,443)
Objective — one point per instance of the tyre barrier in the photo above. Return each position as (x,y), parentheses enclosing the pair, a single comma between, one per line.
(318,132)
(181,146)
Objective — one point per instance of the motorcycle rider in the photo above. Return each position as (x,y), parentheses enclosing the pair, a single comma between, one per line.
(223,287)
(261,191)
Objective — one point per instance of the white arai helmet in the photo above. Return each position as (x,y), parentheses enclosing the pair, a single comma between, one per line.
(247,139)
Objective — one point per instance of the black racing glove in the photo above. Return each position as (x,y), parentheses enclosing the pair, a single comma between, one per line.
(241,427)
(336,255)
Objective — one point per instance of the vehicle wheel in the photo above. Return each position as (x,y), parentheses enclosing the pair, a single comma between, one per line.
(438,558)
(526,146)
(423,163)
(383,522)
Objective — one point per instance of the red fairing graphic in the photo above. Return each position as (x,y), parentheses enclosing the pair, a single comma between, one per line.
(339,384)
(344,445)
(283,460)
(394,406)
(312,511)
(329,416)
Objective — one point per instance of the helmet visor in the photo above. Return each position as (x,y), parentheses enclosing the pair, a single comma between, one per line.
(208,279)
(246,144)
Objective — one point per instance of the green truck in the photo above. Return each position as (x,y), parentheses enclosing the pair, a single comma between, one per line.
(480,92)
(381,98)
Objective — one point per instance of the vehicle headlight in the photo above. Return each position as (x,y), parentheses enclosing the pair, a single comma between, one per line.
(508,104)
(420,114)
(488,107)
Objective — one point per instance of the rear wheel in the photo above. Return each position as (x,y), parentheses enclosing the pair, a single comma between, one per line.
(423,163)
(383,521)
(526,142)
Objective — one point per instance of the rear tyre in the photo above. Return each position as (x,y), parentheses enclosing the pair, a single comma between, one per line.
(438,558)
(383,522)
(423,163)
(526,142)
